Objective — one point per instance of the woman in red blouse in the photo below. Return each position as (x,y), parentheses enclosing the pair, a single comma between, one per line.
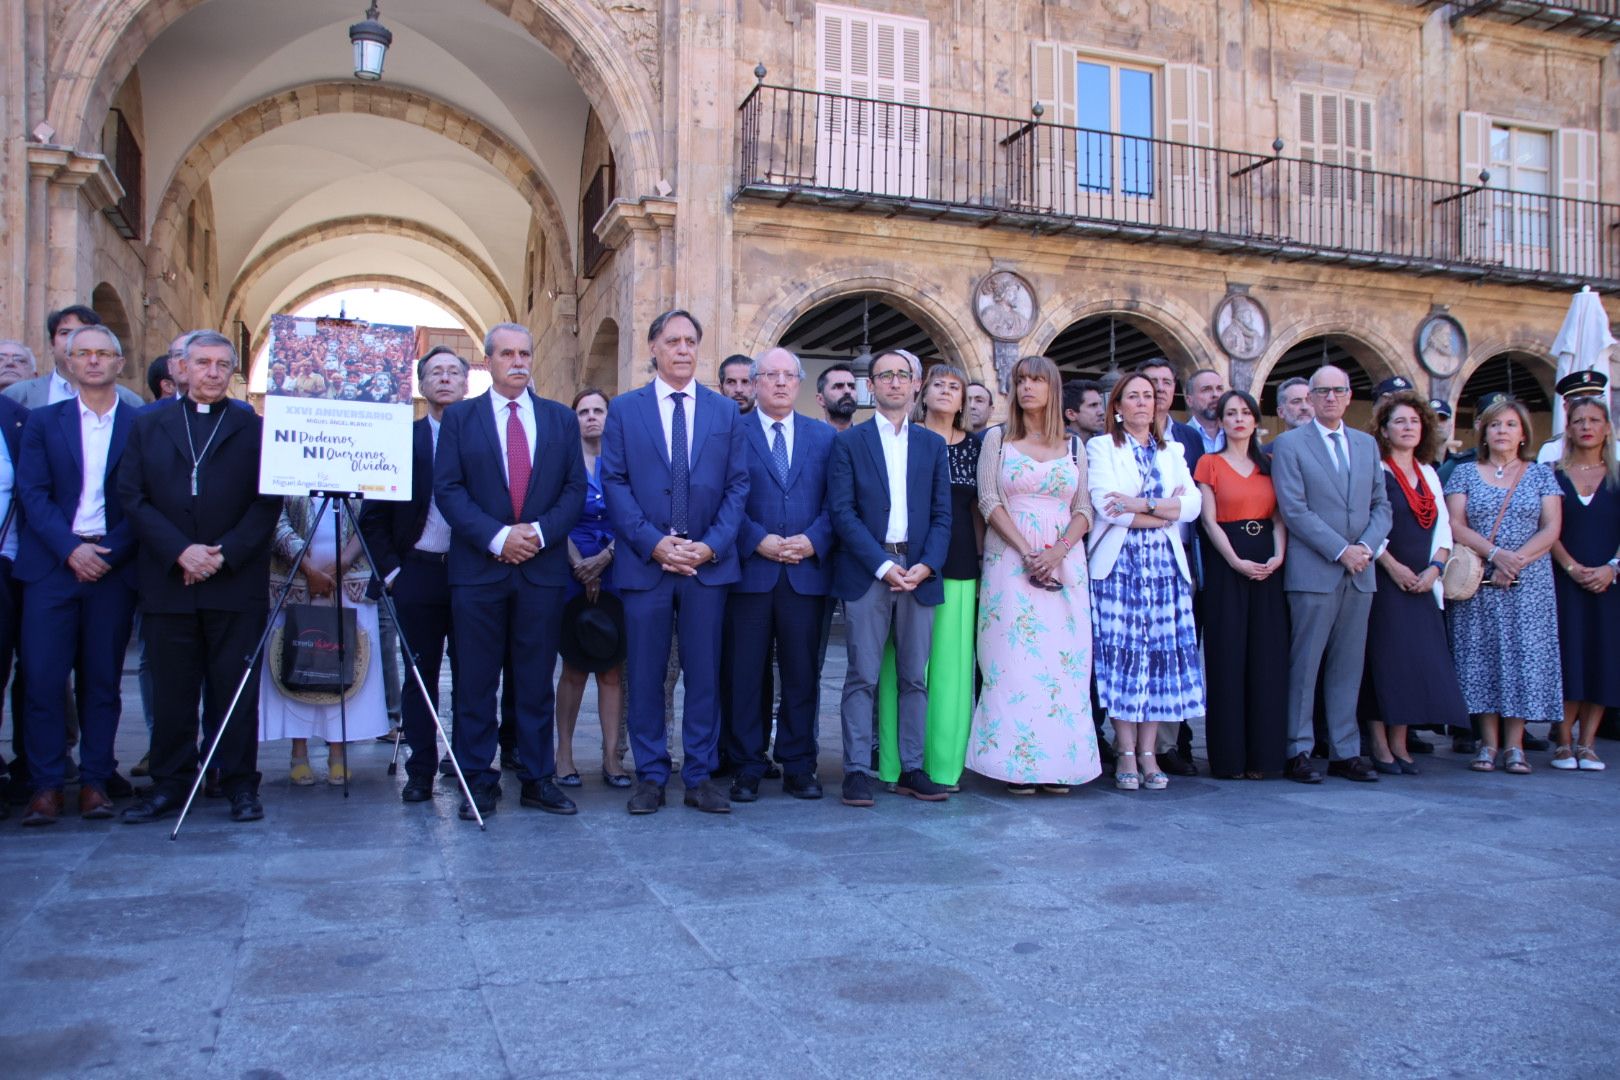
(1245,611)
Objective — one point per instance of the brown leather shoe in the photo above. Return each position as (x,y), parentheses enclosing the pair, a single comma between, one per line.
(45,808)
(94,804)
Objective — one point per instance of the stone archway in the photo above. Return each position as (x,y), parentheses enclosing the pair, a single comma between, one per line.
(601,364)
(958,344)
(373,99)
(611,50)
(1376,354)
(376,281)
(106,302)
(366,225)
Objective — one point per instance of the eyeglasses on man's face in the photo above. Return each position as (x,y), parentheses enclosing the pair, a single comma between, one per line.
(777,376)
(897,375)
(1331,391)
(100,354)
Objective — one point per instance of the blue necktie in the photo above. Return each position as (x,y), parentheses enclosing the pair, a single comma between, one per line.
(779,452)
(679,468)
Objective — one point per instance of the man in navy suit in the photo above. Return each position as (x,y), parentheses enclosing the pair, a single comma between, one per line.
(785,541)
(410,546)
(12,418)
(675,478)
(75,560)
(889,497)
(509,478)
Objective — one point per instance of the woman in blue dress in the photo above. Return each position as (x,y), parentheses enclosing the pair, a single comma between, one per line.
(590,553)
(1588,602)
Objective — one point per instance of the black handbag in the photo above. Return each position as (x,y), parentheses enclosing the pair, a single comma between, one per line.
(309,648)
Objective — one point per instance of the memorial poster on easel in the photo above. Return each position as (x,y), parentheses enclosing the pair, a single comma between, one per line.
(337,408)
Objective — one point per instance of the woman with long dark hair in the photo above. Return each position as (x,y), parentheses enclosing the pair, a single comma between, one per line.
(1410,678)
(1245,610)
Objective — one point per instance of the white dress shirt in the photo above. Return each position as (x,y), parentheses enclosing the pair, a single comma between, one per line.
(525,413)
(895,442)
(90,519)
(770,436)
(60,389)
(666,412)
(8,485)
(435,530)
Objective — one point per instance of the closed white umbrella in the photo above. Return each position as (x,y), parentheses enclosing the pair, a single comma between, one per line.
(1582,344)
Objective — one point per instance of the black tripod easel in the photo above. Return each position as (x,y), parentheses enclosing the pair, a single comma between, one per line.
(347,499)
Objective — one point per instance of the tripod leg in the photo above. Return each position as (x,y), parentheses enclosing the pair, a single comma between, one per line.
(399,735)
(343,693)
(410,658)
(247,673)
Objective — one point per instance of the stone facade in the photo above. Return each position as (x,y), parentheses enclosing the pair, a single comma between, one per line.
(665,82)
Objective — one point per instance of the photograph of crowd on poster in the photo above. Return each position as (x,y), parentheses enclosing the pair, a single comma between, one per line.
(340,359)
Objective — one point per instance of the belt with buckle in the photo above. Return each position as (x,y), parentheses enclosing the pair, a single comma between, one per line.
(418,555)
(1253,526)
(95,538)
(895,549)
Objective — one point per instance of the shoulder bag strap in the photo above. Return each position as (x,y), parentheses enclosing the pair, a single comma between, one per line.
(1500,514)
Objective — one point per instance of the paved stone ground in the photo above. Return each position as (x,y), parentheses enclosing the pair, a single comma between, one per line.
(1447,925)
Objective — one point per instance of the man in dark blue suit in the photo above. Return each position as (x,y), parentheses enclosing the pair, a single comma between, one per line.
(889,496)
(675,478)
(509,478)
(12,418)
(410,545)
(75,560)
(785,543)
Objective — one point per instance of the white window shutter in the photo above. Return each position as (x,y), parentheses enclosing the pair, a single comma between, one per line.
(1052,81)
(1473,158)
(1577,163)
(1189,114)
(869,56)
(1474,154)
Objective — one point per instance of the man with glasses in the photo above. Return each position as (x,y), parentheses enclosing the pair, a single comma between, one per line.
(784,540)
(1330,492)
(75,558)
(16,363)
(890,501)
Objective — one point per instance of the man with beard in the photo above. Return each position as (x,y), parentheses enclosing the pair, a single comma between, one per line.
(736,382)
(1083,408)
(1202,433)
(835,393)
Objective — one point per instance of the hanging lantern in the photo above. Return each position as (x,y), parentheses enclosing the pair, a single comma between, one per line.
(370,40)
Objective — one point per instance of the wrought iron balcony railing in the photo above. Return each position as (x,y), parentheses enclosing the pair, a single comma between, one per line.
(1598,19)
(943,164)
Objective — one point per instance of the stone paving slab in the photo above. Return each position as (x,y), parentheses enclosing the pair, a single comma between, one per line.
(1445,925)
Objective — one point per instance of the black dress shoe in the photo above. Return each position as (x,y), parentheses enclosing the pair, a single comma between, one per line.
(417,789)
(708,798)
(1415,745)
(1172,762)
(1356,768)
(647,799)
(1536,742)
(484,797)
(117,787)
(1408,768)
(858,790)
(802,787)
(1299,770)
(245,806)
(151,807)
(546,795)
(919,785)
(745,789)
(1387,768)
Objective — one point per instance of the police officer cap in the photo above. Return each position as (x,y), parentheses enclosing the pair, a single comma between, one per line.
(1579,384)
(1391,385)
(1442,409)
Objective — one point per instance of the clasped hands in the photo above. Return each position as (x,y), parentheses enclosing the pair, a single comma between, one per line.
(786,549)
(87,563)
(906,578)
(198,563)
(1258,571)
(1408,581)
(1356,557)
(1042,566)
(681,556)
(1595,579)
(522,544)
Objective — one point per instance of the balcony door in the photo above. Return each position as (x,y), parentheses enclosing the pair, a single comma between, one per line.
(1537,210)
(1338,190)
(869,145)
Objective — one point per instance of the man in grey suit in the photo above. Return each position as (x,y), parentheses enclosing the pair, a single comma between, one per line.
(58,384)
(1330,492)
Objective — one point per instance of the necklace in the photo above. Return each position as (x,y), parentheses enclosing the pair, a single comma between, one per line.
(1502,469)
(196,458)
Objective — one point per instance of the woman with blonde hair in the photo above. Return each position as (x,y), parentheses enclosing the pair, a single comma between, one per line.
(1504,639)
(1588,556)
(1147,645)
(1032,726)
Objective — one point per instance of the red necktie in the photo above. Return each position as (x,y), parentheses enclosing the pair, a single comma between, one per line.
(517,460)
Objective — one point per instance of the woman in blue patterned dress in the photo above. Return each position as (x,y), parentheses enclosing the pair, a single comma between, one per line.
(1146,644)
(1505,637)
(1032,727)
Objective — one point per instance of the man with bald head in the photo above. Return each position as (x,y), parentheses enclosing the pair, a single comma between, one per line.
(1330,493)
(784,540)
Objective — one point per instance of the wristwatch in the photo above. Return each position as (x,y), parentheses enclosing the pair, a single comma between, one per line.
(1153,505)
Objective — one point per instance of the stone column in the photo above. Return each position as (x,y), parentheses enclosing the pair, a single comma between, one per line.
(642,234)
(703,84)
(66,190)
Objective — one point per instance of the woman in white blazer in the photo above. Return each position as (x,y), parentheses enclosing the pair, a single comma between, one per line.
(1146,646)
(1410,677)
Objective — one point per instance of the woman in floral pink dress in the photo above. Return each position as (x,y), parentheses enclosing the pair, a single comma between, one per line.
(1032,726)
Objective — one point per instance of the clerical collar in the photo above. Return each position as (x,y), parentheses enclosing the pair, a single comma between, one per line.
(198,407)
